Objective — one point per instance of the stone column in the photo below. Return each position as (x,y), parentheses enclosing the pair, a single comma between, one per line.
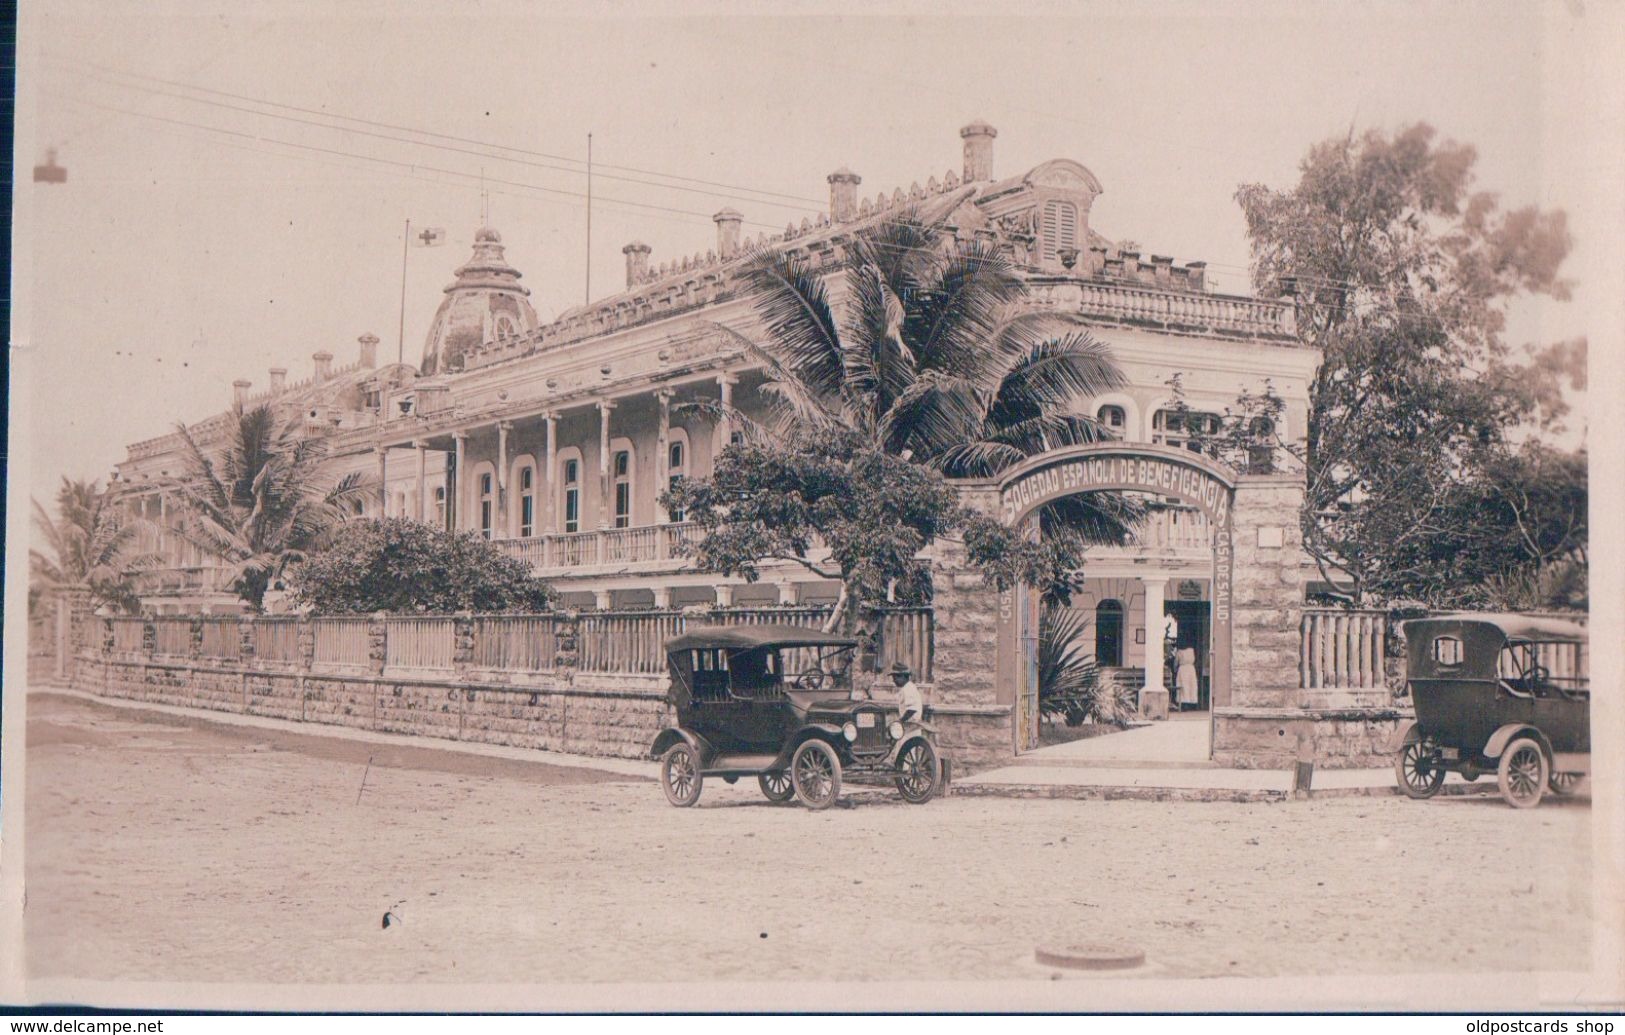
(787,591)
(662,455)
(550,476)
(454,483)
(605,406)
(662,596)
(602,600)
(423,479)
(383,480)
(725,392)
(725,596)
(72,616)
(1154,695)
(500,527)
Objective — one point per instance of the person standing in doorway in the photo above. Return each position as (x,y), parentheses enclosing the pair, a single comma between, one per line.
(1185,680)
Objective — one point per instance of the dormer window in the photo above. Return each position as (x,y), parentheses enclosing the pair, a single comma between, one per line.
(1060,228)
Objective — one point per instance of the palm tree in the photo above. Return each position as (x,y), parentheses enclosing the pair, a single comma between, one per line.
(262,501)
(931,356)
(92,543)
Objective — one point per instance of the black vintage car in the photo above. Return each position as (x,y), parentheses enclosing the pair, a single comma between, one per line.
(776,702)
(1496,693)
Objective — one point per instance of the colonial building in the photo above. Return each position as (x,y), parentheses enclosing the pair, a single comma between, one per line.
(555,439)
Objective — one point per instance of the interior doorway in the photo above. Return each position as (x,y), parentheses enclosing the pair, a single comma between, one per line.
(1194,620)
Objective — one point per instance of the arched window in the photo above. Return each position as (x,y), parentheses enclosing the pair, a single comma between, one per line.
(1060,228)
(527,501)
(1114,418)
(676,465)
(570,492)
(1109,634)
(1183,429)
(488,503)
(620,478)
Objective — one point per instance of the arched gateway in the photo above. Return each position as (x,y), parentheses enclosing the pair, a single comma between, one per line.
(1163,471)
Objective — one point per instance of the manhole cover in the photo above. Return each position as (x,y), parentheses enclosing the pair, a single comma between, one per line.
(1090,956)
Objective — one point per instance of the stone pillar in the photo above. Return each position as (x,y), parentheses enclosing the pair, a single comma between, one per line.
(725,425)
(383,480)
(978,137)
(605,406)
(463,646)
(377,643)
(843,195)
(637,263)
(973,697)
(728,223)
(787,591)
(662,596)
(72,622)
(194,649)
(602,599)
(423,479)
(550,477)
(725,596)
(1269,575)
(662,455)
(500,526)
(1154,695)
(454,482)
(245,639)
(566,645)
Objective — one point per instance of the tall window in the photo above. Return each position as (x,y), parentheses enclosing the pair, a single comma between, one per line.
(1184,430)
(572,495)
(676,470)
(488,504)
(620,469)
(1109,634)
(1060,228)
(440,504)
(1114,418)
(527,501)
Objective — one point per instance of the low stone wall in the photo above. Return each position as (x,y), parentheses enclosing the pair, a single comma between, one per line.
(616,716)
(1338,738)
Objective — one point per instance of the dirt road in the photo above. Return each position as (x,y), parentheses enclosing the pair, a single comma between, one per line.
(166,849)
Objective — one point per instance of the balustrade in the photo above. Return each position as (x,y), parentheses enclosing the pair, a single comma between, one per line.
(1341,650)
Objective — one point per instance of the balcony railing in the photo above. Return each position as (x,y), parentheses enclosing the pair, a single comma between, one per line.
(190,579)
(601,546)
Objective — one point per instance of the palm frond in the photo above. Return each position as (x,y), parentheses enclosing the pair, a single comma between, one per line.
(790,297)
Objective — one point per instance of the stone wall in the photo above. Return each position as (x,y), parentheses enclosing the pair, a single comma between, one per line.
(1337,738)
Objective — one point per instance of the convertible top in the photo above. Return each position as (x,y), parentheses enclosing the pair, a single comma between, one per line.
(1527,628)
(744,637)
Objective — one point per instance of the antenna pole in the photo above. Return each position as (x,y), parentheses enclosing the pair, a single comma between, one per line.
(589,219)
(400,340)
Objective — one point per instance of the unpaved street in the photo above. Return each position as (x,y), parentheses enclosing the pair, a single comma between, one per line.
(162,849)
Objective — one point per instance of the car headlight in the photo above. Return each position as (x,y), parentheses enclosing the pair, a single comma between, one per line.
(849,731)
(895,730)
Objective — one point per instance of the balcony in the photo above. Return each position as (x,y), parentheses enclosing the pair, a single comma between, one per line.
(609,547)
(183,580)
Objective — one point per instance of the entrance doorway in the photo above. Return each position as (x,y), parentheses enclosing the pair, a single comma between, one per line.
(1194,634)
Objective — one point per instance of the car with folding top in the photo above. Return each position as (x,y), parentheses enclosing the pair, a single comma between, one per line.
(778,703)
(1507,694)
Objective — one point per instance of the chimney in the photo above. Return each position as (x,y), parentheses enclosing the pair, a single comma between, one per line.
(279,378)
(239,391)
(324,365)
(1196,275)
(637,262)
(1162,267)
(728,222)
(843,195)
(978,137)
(369,350)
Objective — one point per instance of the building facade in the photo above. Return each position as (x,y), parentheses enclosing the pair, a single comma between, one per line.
(556,439)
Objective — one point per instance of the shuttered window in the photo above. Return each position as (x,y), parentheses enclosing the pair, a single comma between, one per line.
(1060,228)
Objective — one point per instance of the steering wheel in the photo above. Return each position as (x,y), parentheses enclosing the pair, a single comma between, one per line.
(812,679)
(1538,675)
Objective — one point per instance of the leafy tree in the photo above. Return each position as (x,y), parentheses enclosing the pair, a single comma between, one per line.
(261,502)
(92,543)
(777,499)
(1070,683)
(407,567)
(1402,273)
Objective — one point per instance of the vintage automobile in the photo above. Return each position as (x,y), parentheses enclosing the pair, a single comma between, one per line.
(776,702)
(1501,693)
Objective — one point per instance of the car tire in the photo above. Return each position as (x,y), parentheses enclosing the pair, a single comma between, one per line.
(919,772)
(680,775)
(1523,773)
(815,773)
(1564,783)
(776,786)
(1415,778)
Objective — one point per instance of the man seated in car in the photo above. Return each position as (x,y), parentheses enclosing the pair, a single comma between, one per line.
(910,702)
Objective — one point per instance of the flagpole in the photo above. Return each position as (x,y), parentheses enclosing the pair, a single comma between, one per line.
(400,339)
(589,219)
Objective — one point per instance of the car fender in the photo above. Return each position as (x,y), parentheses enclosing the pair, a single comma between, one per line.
(909,736)
(1400,733)
(1502,737)
(672,735)
(811,731)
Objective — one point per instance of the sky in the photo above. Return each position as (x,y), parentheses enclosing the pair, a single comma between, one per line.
(177,258)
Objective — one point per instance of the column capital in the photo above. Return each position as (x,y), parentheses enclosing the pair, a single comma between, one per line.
(380,450)
(505,426)
(727,377)
(605,405)
(665,395)
(460,435)
(551,416)
(420,444)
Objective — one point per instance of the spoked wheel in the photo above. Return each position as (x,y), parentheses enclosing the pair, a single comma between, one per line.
(680,775)
(1523,773)
(777,786)
(815,773)
(1413,767)
(919,772)
(1563,783)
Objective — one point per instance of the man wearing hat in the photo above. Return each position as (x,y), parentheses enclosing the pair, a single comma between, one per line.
(909,700)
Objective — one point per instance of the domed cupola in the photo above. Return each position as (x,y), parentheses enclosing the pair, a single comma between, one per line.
(484,303)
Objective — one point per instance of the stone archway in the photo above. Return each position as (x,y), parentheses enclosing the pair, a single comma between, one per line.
(1115,466)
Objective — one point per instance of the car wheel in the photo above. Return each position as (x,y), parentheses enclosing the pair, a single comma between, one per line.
(1563,783)
(680,775)
(815,772)
(1413,767)
(776,786)
(1523,773)
(919,772)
